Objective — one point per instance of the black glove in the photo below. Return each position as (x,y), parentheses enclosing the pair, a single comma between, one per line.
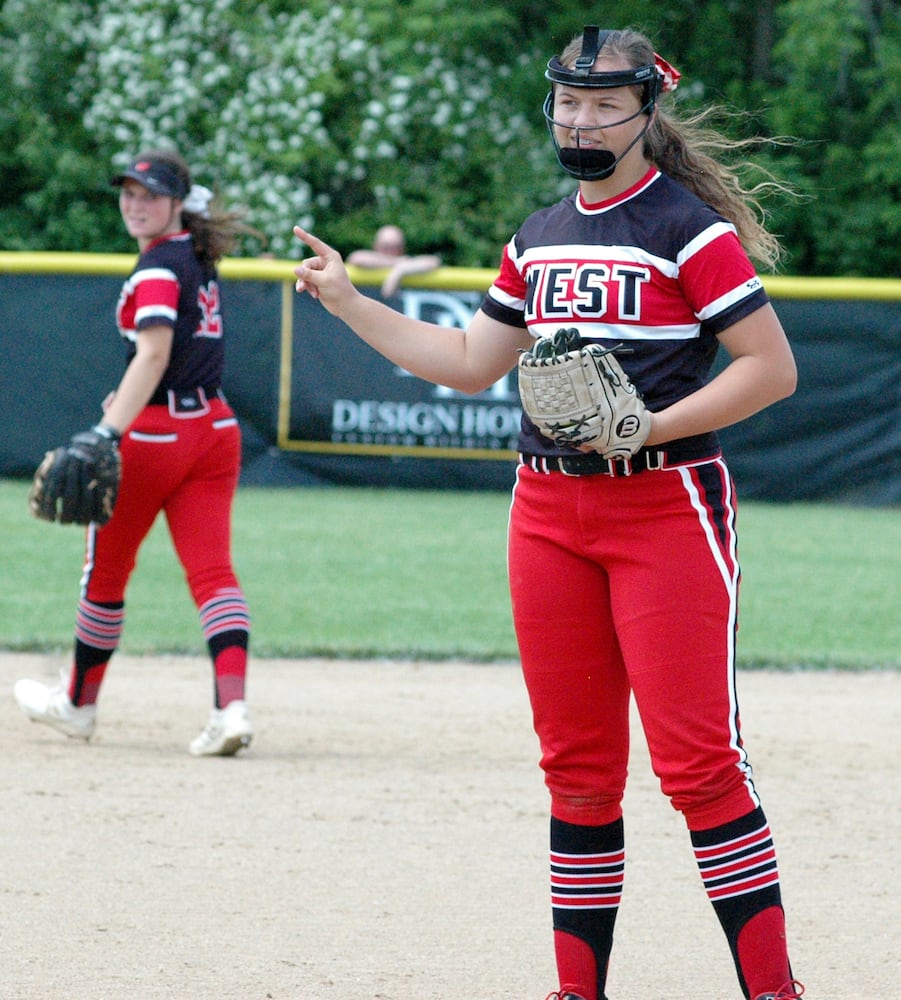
(79,482)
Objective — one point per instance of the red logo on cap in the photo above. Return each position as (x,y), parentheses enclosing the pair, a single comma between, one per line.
(143,166)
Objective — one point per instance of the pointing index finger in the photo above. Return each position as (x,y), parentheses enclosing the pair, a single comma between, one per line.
(313,242)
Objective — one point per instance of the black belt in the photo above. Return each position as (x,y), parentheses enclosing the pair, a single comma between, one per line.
(185,400)
(592,464)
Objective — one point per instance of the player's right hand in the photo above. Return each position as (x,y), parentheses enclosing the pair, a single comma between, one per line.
(324,276)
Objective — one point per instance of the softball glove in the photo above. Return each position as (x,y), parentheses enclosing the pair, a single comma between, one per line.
(78,483)
(580,396)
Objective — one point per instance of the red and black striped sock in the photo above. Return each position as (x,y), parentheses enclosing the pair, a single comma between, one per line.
(225,621)
(587,871)
(98,628)
(738,864)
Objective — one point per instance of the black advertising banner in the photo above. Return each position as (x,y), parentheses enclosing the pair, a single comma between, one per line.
(60,355)
(346,401)
(839,435)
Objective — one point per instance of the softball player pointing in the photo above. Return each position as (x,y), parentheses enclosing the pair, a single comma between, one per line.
(624,574)
(181,454)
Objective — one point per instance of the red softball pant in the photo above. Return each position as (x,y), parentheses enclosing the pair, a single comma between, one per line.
(626,586)
(187,466)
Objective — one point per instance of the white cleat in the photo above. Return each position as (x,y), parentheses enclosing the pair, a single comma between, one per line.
(228,731)
(51,705)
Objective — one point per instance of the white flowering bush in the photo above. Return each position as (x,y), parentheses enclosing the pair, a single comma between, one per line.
(297,117)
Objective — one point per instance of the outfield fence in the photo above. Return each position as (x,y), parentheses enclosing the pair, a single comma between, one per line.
(317,406)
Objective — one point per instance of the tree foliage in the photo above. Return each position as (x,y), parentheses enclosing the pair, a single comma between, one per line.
(426,113)
(840,76)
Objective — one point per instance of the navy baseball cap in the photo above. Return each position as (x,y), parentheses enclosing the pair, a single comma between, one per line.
(158,176)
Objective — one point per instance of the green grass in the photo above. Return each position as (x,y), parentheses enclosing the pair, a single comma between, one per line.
(404,573)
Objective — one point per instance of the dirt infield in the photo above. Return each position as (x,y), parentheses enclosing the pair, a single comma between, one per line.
(385,838)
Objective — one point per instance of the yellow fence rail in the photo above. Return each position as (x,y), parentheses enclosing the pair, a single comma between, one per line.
(461,279)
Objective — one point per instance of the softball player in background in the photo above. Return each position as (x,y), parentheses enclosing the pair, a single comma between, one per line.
(181,454)
(624,575)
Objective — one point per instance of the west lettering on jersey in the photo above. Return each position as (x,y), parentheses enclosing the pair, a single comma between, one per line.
(612,292)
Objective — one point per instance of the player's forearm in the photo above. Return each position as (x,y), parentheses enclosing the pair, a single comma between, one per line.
(429,351)
(371,259)
(746,386)
(419,265)
(137,386)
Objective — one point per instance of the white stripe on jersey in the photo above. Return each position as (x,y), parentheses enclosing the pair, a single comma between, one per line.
(505,299)
(702,240)
(150,274)
(569,253)
(730,298)
(155,310)
(617,331)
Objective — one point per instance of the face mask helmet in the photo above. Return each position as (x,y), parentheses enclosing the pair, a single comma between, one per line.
(596,164)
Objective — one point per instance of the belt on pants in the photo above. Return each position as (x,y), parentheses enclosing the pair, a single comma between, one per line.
(593,464)
(191,402)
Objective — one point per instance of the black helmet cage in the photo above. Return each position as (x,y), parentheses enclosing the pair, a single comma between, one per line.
(580,75)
